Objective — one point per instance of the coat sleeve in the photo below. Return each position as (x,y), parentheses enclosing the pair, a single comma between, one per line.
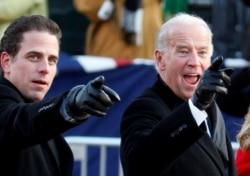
(25,124)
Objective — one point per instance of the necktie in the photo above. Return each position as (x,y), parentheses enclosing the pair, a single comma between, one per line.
(203,126)
(209,125)
(206,126)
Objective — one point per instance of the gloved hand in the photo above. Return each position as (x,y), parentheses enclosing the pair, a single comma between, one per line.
(213,81)
(93,98)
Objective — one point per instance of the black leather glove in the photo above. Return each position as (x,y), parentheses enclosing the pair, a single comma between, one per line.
(93,98)
(213,81)
(239,92)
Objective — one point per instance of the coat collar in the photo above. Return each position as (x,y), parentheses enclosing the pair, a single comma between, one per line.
(5,82)
(166,94)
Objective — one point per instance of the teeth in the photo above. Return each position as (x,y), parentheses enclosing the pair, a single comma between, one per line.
(192,74)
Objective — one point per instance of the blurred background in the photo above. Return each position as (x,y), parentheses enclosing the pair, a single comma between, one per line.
(229,21)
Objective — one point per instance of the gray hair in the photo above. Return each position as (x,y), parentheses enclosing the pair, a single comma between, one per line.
(169,26)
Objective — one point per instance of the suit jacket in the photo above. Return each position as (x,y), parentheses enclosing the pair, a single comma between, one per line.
(159,137)
(30,141)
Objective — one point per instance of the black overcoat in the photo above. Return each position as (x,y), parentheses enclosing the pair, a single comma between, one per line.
(30,135)
(159,137)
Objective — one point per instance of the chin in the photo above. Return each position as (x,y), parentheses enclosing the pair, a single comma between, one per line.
(189,95)
(36,98)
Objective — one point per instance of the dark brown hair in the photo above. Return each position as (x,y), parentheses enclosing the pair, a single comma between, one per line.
(13,35)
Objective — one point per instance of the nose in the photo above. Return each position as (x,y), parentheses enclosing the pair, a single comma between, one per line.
(44,66)
(194,59)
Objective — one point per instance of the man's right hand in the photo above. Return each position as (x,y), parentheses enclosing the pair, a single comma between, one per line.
(213,81)
(93,98)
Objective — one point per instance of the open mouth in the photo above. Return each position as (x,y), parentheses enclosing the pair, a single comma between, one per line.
(192,78)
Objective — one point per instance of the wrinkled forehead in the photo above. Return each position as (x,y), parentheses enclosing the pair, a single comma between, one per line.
(189,29)
(190,34)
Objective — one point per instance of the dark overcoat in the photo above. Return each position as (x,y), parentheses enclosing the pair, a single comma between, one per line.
(30,141)
(159,137)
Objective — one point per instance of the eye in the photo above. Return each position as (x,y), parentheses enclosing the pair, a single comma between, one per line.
(33,57)
(53,60)
(183,52)
(203,53)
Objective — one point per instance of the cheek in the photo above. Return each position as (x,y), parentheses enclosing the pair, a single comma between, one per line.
(53,73)
(205,64)
(21,67)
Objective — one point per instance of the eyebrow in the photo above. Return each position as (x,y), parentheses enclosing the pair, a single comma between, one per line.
(34,52)
(181,46)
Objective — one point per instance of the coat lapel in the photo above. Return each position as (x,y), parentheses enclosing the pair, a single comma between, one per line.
(53,151)
(219,131)
(212,152)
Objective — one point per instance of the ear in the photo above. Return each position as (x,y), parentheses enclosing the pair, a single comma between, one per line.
(159,60)
(5,61)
